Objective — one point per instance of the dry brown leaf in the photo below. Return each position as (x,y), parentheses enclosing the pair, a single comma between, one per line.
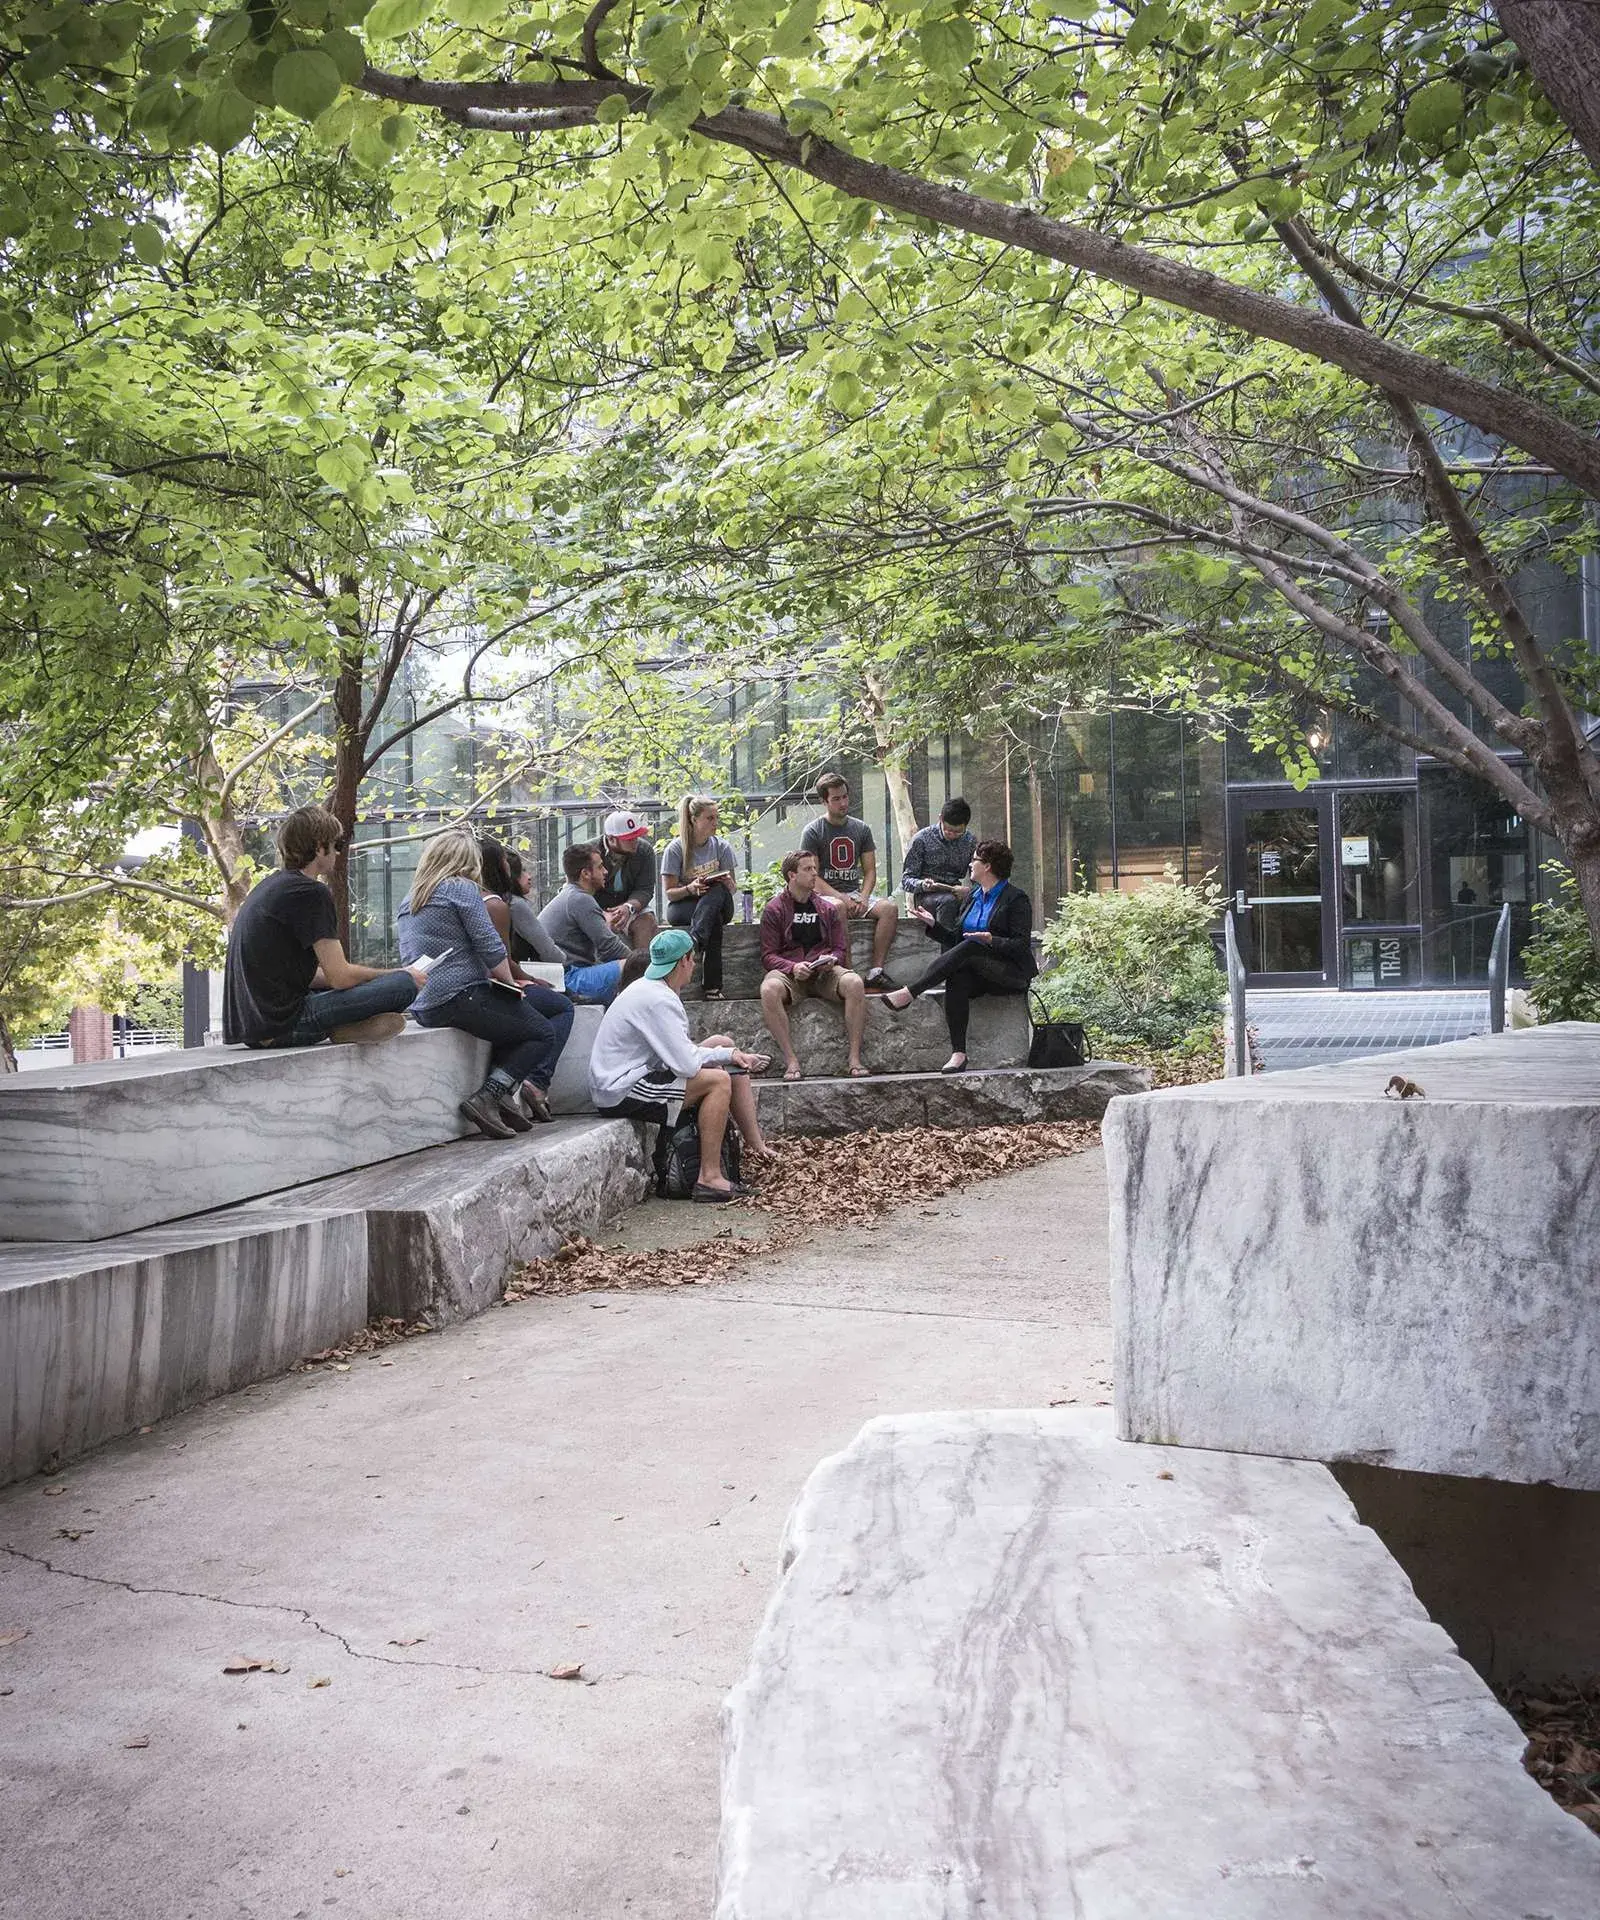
(138,1740)
(570,1670)
(321,1680)
(51,1492)
(245,1663)
(1563,1729)
(1164,1476)
(416,1641)
(11,1635)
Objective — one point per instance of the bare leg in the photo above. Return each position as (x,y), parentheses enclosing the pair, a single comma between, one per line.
(743,1102)
(710,1094)
(853,991)
(775,1012)
(885,924)
(642,929)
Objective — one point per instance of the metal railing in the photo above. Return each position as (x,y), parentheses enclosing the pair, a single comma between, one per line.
(1500,970)
(1238,1032)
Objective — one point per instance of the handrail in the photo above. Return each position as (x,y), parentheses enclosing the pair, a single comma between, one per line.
(1239,1035)
(1500,970)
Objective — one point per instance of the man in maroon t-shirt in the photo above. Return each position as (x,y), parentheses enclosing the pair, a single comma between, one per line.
(805,952)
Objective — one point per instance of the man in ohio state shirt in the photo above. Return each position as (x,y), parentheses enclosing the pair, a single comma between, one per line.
(805,953)
(847,870)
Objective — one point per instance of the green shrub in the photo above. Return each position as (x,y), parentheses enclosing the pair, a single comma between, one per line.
(1138,968)
(1563,973)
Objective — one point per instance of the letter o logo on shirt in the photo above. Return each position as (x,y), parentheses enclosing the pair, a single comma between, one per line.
(841,853)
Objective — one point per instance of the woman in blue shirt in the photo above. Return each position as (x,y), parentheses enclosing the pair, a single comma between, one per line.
(988,948)
(444,917)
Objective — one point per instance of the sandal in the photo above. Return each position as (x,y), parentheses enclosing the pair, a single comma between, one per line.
(796,1072)
(858,1073)
(713,1196)
(712,993)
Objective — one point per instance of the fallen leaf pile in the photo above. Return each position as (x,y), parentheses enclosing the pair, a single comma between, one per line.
(371,1338)
(583,1266)
(243,1663)
(1563,1729)
(862,1174)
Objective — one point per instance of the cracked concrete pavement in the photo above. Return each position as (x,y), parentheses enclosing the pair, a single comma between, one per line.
(600,1479)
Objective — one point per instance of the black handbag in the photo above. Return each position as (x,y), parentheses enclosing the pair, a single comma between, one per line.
(1055,1043)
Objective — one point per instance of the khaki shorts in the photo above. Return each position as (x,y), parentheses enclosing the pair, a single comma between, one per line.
(821,986)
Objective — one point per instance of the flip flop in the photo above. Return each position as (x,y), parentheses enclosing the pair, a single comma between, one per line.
(791,1074)
(859,1073)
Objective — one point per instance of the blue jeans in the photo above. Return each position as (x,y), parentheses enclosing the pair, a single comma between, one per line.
(343,1006)
(525,1035)
(597,983)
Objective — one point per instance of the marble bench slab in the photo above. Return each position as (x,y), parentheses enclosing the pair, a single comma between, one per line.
(915,1041)
(1302,1266)
(90,1151)
(992,1097)
(1018,1669)
(98,1339)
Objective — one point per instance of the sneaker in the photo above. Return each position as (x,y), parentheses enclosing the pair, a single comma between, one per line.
(367,1033)
(880,981)
(483,1110)
(510,1109)
(536,1102)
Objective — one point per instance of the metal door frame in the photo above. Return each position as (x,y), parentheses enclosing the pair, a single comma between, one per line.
(1258,798)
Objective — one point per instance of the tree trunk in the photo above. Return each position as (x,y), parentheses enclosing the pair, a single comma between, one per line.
(349,748)
(896,777)
(1036,822)
(8,1051)
(1584,860)
(1561,39)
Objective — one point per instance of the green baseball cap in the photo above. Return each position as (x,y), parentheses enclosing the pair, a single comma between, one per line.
(666,950)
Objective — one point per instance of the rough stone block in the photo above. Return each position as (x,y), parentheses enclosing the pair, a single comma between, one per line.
(916,1041)
(86,1152)
(1302,1266)
(1012,1670)
(1005,1096)
(446,1228)
(98,1340)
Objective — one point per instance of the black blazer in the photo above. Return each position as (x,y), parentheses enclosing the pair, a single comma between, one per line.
(1010,930)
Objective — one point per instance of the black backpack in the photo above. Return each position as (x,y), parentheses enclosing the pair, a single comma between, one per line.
(678,1157)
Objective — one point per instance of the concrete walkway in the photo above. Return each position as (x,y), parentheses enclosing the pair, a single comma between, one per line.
(600,1479)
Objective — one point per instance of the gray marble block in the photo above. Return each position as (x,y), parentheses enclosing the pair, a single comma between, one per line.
(1302,1266)
(98,1340)
(86,1152)
(1017,1669)
(446,1228)
(1002,1096)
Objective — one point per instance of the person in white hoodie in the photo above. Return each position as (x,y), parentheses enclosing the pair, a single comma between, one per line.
(644,1056)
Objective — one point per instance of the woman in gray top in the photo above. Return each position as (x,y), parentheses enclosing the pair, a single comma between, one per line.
(699,874)
(471,987)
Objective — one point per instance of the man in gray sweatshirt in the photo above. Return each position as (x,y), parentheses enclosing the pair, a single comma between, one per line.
(593,954)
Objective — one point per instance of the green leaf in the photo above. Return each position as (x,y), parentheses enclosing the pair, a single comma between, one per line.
(1434,113)
(224,119)
(347,54)
(305,83)
(1151,19)
(149,243)
(614,108)
(391,18)
(342,466)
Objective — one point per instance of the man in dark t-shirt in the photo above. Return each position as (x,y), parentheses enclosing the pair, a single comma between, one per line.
(287,982)
(805,951)
(847,860)
(627,894)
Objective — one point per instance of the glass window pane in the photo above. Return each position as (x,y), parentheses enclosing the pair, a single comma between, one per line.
(1378,878)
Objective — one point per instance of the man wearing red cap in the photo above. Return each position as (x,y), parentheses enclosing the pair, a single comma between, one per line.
(628,893)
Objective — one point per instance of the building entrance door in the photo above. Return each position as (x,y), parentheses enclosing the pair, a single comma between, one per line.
(1280,846)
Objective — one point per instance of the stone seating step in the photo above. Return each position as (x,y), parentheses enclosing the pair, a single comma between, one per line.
(448,1226)
(91,1151)
(101,1338)
(1303,1266)
(916,1041)
(999,1096)
(1017,1666)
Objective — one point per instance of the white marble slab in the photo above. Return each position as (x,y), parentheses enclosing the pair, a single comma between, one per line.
(1302,1266)
(86,1152)
(1020,1670)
